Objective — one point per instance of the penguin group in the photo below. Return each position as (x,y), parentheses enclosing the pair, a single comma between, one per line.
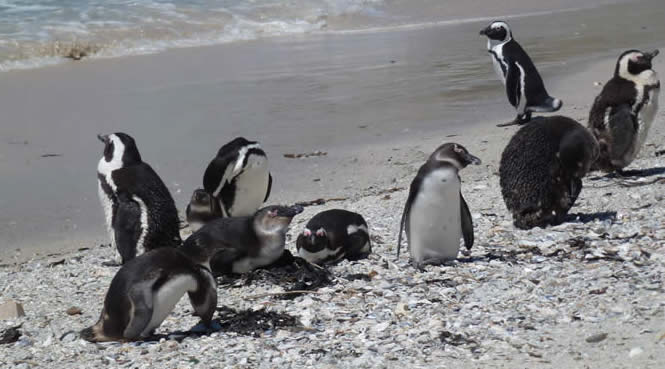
(540,173)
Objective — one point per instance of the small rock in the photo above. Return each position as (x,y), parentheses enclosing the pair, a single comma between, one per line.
(74,310)
(596,338)
(635,351)
(10,310)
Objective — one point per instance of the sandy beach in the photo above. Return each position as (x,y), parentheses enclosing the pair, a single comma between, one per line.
(377,103)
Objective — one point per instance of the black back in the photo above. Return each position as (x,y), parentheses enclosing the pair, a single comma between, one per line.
(534,88)
(335,222)
(539,171)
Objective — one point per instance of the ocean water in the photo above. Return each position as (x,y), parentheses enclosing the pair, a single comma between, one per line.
(35,33)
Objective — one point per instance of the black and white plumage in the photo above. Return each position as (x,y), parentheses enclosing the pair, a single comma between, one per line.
(146,289)
(623,112)
(238,177)
(140,212)
(541,170)
(332,235)
(524,86)
(202,208)
(248,242)
(436,215)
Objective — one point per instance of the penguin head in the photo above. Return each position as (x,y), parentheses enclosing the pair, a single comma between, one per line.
(497,31)
(201,198)
(633,62)
(313,241)
(119,150)
(275,218)
(234,145)
(454,154)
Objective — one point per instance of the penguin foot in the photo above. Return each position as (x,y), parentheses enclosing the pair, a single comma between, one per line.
(112,263)
(519,120)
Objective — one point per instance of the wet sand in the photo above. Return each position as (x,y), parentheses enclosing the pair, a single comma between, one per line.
(374,101)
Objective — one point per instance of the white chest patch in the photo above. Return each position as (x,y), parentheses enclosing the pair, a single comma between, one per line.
(316,257)
(435,226)
(498,60)
(165,299)
(107,205)
(270,251)
(251,186)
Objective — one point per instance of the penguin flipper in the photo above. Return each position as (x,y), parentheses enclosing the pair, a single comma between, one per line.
(140,297)
(219,173)
(204,299)
(467,223)
(126,226)
(357,243)
(623,125)
(404,221)
(269,187)
(513,84)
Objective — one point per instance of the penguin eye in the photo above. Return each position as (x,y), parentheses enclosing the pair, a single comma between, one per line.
(272,213)
(307,233)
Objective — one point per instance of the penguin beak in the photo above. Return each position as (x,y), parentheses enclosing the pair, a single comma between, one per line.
(651,55)
(103,138)
(483,32)
(472,159)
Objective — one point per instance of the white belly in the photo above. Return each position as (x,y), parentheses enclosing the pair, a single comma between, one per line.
(434,222)
(107,205)
(165,299)
(498,50)
(646,118)
(251,186)
(268,254)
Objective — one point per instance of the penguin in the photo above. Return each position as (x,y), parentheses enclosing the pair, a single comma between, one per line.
(332,235)
(146,289)
(140,212)
(249,242)
(238,177)
(436,215)
(524,86)
(623,112)
(541,170)
(201,209)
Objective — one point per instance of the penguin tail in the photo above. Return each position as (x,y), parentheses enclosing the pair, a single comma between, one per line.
(555,103)
(551,104)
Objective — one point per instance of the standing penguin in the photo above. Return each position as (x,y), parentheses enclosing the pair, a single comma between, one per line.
(435,215)
(332,235)
(541,170)
(524,86)
(247,242)
(201,209)
(622,114)
(147,288)
(238,177)
(140,212)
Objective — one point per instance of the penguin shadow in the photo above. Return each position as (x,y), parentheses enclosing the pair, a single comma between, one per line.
(590,217)
(631,173)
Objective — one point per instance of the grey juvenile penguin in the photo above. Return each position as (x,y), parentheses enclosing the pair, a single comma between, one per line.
(238,177)
(436,216)
(624,110)
(248,242)
(524,86)
(332,235)
(202,208)
(140,212)
(147,288)
(541,170)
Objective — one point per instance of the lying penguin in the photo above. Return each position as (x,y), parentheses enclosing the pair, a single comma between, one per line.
(624,110)
(202,208)
(332,235)
(246,243)
(147,288)
(140,212)
(524,86)
(541,170)
(436,216)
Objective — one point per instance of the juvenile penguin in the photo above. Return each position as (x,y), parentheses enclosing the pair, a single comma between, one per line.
(436,216)
(623,112)
(201,209)
(146,289)
(140,212)
(238,177)
(524,86)
(541,170)
(248,242)
(332,235)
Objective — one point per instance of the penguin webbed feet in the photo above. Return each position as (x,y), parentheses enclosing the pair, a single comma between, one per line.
(420,266)
(518,121)
(112,263)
